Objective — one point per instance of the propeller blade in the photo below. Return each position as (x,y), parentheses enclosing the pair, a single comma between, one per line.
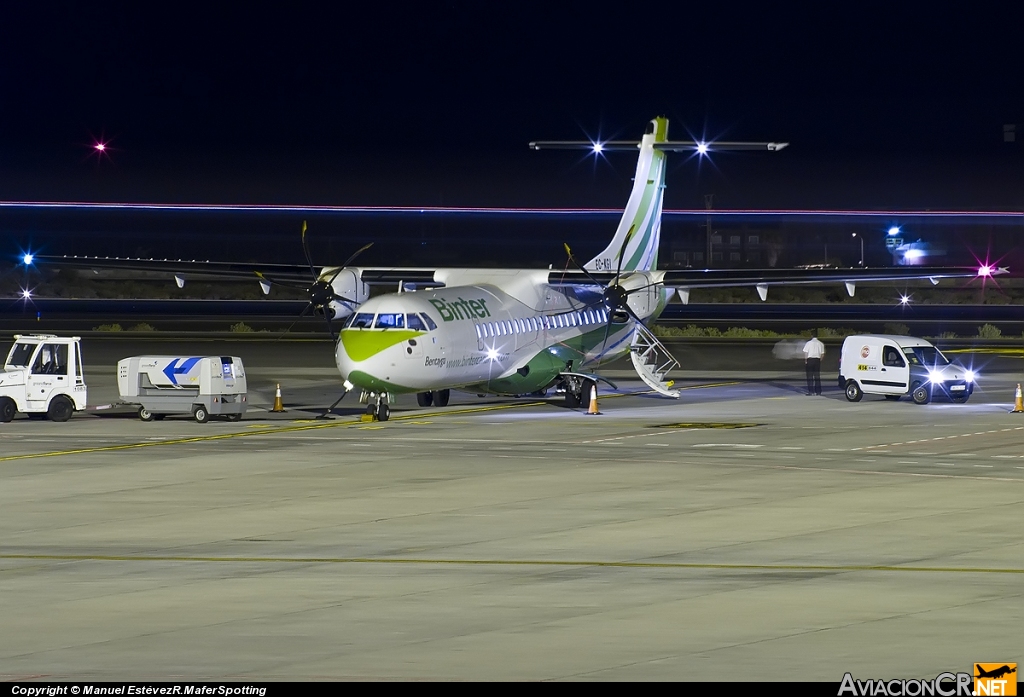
(622,253)
(292,325)
(305,250)
(579,265)
(352,258)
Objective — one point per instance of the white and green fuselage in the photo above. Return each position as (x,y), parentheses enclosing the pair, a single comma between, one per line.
(508,336)
(507,331)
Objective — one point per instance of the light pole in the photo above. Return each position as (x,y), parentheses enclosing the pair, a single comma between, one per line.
(861,249)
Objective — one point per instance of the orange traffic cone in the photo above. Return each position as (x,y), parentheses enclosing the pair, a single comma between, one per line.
(593,401)
(278,406)
(1018,402)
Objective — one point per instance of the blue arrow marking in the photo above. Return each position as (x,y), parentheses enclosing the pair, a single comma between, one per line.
(173,368)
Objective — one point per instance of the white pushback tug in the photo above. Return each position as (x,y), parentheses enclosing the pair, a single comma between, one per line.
(43,376)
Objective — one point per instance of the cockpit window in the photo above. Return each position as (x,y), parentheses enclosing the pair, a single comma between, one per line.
(21,354)
(390,320)
(925,355)
(430,322)
(361,320)
(414,322)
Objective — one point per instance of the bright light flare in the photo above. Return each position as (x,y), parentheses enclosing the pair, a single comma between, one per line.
(27,259)
(598,147)
(100,147)
(985,270)
(492,354)
(894,230)
(702,148)
(969,376)
(904,300)
(26,293)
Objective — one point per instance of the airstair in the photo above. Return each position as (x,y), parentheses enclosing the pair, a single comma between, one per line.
(652,361)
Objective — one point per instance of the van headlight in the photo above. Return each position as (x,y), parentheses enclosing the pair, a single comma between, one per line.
(969,376)
(934,376)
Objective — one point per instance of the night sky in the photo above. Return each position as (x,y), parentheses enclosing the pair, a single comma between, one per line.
(435,104)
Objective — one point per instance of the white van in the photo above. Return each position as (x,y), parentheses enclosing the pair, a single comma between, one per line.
(897,365)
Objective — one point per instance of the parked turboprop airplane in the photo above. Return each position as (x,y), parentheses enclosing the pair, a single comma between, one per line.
(520,331)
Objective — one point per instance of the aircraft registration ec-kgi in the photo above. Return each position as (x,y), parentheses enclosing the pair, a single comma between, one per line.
(522,331)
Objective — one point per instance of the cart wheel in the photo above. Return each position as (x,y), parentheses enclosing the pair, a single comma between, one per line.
(200,414)
(145,414)
(234,417)
(159,417)
(60,409)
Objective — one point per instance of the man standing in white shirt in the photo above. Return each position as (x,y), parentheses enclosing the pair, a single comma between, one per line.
(813,351)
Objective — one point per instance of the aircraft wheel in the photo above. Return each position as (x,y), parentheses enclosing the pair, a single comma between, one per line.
(145,414)
(7,409)
(371,409)
(920,394)
(383,412)
(200,414)
(585,388)
(892,397)
(441,397)
(424,399)
(60,409)
(572,397)
(853,391)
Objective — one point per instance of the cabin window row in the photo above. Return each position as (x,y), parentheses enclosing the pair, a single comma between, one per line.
(523,325)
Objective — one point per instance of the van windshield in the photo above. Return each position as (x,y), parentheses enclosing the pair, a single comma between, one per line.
(928,356)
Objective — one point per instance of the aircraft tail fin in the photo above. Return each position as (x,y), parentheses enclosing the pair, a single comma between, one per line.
(639,232)
(638,235)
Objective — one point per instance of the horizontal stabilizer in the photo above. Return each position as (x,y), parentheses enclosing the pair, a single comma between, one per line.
(670,146)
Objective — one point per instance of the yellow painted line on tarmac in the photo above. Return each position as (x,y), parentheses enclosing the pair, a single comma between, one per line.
(811,568)
(298,426)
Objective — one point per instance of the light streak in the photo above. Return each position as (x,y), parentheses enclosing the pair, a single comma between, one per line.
(495,210)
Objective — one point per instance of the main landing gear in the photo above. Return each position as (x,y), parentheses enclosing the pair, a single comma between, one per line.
(577,391)
(437,398)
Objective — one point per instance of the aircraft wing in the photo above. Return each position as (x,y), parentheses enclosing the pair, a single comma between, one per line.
(225,270)
(725,278)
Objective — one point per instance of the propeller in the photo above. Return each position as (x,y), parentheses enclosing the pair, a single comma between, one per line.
(321,291)
(615,298)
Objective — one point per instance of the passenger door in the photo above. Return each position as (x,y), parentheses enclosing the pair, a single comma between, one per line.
(894,374)
(49,373)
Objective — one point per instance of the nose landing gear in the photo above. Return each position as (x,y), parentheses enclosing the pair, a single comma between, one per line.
(378,406)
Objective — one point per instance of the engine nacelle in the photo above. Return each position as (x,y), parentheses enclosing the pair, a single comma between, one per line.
(347,284)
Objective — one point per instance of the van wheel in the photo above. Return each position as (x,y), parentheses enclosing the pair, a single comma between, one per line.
(424,399)
(145,414)
(234,417)
(853,391)
(892,397)
(60,409)
(7,409)
(920,394)
(200,414)
(960,398)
